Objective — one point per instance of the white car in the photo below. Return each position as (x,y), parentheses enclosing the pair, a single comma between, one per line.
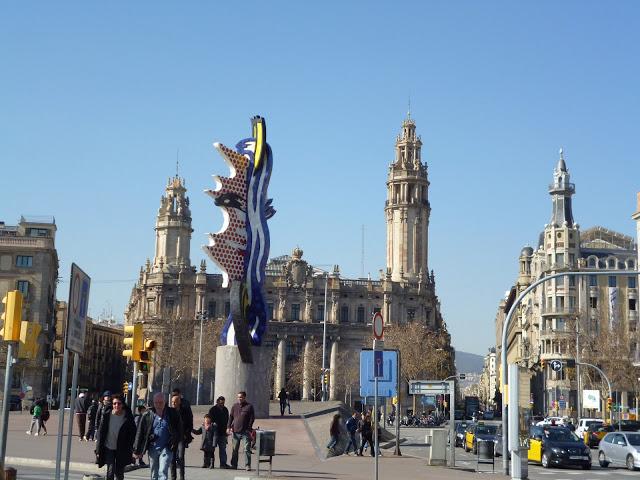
(620,449)
(551,421)
(584,423)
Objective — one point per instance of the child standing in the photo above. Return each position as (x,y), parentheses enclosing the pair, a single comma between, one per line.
(208,432)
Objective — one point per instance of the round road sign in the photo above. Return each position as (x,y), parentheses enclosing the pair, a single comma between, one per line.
(378,326)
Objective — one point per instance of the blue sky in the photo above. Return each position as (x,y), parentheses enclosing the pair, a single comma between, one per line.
(96,99)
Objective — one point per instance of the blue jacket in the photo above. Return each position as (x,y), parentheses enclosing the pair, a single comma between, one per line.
(352,425)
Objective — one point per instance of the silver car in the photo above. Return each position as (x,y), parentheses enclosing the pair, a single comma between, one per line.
(620,448)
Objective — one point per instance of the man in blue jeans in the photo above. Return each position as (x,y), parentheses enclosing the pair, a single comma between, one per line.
(352,428)
(159,432)
(240,424)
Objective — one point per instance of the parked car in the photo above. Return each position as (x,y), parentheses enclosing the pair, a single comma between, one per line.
(552,421)
(595,433)
(620,448)
(557,445)
(479,431)
(583,423)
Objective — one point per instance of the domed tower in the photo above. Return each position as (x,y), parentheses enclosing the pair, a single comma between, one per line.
(407,208)
(173,229)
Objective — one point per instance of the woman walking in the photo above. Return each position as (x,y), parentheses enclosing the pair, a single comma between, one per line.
(334,431)
(114,447)
(366,430)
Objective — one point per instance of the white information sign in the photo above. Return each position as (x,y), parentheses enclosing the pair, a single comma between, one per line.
(591,399)
(77,311)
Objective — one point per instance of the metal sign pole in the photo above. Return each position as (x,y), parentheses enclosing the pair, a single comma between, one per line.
(62,400)
(74,392)
(375,432)
(134,387)
(398,410)
(452,423)
(5,404)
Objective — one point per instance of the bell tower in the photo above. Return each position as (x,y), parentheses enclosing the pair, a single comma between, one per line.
(173,229)
(407,208)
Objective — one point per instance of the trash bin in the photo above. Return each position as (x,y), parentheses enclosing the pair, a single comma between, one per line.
(486,449)
(486,453)
(265,447)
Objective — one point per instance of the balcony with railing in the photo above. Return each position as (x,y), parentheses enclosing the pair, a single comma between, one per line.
(555,333)
(554,311)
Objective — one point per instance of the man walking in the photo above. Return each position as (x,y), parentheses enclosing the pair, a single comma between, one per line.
(105,401)
(240,424)
(352,428)
(186,418)
(220,416)
(284,399)
(80,413)
(159,432)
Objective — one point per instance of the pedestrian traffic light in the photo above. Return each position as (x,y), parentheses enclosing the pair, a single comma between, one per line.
(145,354)
(28,347)
(125,388)
(12,316)
(134,342)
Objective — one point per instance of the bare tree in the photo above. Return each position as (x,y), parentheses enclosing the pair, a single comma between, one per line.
(313,367)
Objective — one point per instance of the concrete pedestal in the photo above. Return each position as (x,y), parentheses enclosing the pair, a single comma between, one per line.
(254,378)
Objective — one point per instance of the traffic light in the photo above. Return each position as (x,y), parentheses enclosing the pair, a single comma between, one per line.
(325,377)
(28,347)
(125,388)
(542,364)
(145,354)
(609,403)
(12,316)
(134,342)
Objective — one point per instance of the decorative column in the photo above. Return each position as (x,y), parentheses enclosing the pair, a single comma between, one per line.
(280,376)
(306,371)
(333,384)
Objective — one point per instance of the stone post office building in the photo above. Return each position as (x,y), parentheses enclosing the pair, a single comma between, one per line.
(173,295)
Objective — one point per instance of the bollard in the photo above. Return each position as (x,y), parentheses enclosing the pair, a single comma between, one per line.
(10,473)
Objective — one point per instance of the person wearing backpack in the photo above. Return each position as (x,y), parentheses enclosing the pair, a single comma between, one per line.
(36,412)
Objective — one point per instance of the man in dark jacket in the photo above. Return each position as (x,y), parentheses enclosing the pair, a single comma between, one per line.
(240,424)
(114,447)
(186,417)
(92,411)
(220,416)
(159,432)
(105,400)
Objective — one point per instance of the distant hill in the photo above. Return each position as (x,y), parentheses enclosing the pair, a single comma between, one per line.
(469,362)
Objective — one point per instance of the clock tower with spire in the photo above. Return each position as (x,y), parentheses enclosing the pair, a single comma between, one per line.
(407,208)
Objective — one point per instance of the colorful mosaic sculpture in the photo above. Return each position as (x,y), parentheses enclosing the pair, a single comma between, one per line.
(241,248)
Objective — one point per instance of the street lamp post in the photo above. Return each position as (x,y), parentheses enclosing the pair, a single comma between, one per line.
(201,316)
(324,338)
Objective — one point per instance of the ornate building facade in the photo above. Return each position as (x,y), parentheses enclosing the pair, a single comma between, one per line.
(174,298)
(567,314)
(29,263)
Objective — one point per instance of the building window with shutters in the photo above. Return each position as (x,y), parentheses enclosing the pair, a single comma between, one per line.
(24,261)
(295,312)
(360,314)
(320,313)
(211,309)
(344,314)
(23,287)
(270,311)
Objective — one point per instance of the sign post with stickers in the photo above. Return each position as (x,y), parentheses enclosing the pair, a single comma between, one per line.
(76,328)
(378,369)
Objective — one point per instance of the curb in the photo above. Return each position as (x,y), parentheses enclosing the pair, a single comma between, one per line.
(35,462)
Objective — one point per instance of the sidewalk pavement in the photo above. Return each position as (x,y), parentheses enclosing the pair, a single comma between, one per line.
(295,457)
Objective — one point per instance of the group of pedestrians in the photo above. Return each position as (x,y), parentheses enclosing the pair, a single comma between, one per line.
(165,431)
(357,424)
